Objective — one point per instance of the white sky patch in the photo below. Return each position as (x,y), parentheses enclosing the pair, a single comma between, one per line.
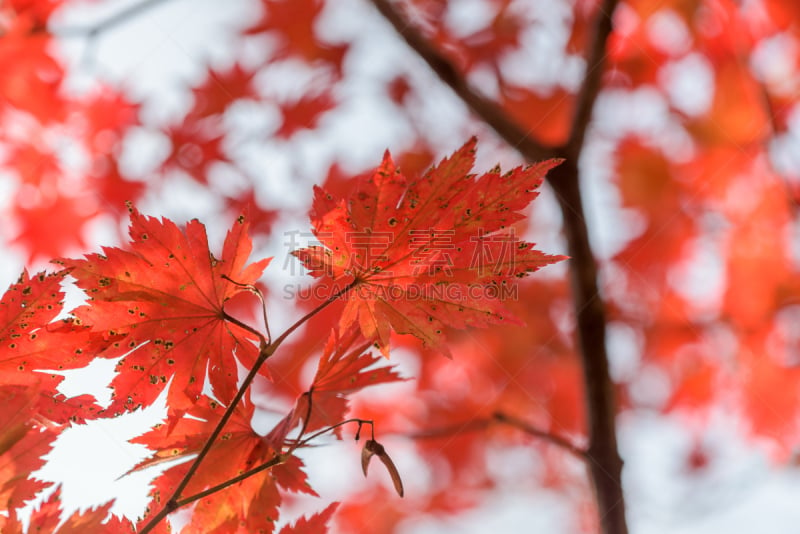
(689,84)
(169,39)
(465,17)
(668,32)
(650,388)
(89,461)
(157,56)
(737,491)
(541,62)
(624,351)
(774,61)
(700,278)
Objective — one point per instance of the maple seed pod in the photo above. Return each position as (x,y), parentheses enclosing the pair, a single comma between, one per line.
(373,448)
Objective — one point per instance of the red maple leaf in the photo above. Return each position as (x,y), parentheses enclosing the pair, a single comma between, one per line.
(31,76)
(261,219)
(292,22)
(164,297)
(32,346)
(196,144)
(304,112)
(490,44)
(106,114)
(220,89)
(254,500)
(34,12)
(52,225)
(113,190)
(421,254)
(316,524)
(33,160)
(47,518)
(343,369)
(22,445)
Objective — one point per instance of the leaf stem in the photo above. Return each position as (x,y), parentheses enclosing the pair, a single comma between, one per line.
(274,461)
(338,294)
(325,430)
(231,319)
(257,292)
(266,350)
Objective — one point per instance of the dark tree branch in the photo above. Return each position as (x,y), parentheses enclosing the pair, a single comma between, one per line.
(550,437)
(592,80)
(486,109)
(605,464)
(478,425)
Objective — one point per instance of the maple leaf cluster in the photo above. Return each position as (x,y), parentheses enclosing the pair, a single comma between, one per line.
(685,112)
(158,308)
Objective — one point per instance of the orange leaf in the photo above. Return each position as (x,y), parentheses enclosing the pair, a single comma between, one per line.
(343,369)
(253,502)
(164,297)
(22,446)
(47,518)
(429,252)
(304,113)
(31,345)
(316,524)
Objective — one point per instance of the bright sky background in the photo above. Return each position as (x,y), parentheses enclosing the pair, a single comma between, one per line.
(158,54)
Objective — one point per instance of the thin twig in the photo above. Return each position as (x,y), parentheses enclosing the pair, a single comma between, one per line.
(265,352)
(550,437)
(325,430)
(274,461)
(500,417)
(231,319)
(257,292)
(338,294)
